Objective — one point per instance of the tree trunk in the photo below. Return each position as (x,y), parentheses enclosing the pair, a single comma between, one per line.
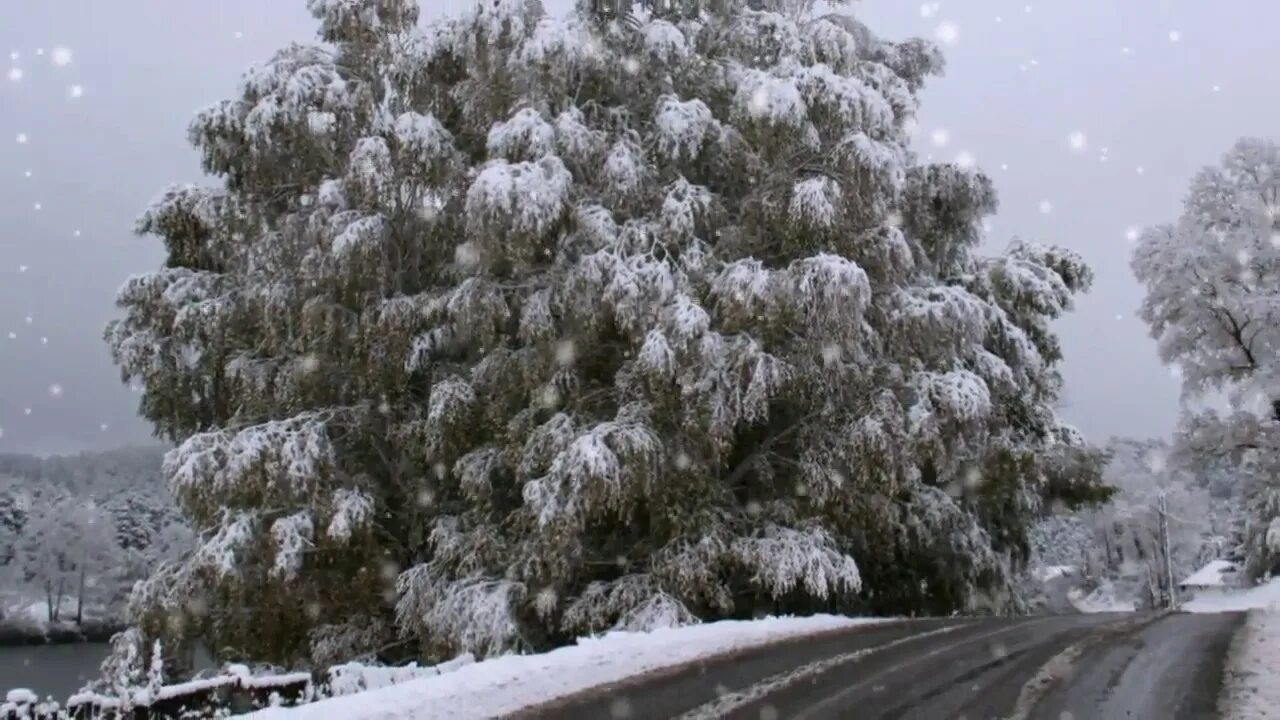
(80,598)
(62,586)
(48,599)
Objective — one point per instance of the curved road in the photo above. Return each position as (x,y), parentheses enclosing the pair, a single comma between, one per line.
(1103,666)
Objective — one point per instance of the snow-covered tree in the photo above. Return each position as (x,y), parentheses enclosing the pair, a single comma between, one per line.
(1212,301)
(69,550)
(515,327)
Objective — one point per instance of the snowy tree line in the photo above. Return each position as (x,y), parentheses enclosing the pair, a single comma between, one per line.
(1118,546)
(515,327)
(1212,281)
(77,531)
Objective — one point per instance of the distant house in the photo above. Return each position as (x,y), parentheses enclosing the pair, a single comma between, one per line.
(1219,576)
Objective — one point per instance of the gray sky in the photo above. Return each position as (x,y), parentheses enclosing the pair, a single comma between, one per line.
(1194,77)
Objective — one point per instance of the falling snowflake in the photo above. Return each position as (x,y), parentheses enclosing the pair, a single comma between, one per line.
(940,137)
(76,233)
(1141,170)
(1027,8)
(103,427)
(13,335)
(44,341)
(239,34)
(1078,140)
(1119,316)
(631,65)
(1004,166)
(1217,88)
(38,206)
(15,74)
(928,10)
(999,19)
(1046,207)
(55,390)
(27,173)
(40,51)
(966,159)
(1126,50)
(948,33)
(1132,234)
(22,268)
(26,411)
(1174,36)
(61,56)
(21,138)
(1275,240)
(75,91)
(28,319)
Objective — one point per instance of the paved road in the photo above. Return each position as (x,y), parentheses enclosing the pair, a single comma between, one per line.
(1103,666)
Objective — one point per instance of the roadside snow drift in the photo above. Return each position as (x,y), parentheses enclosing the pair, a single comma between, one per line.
(1251,686)
(511,682)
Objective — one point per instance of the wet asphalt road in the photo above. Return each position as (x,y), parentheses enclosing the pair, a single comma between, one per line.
(1104,666)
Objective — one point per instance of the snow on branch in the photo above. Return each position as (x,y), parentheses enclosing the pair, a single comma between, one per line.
(783,560)
(288,457)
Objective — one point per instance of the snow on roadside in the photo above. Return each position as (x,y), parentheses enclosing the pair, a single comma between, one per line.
(1262,597)
(1102,600)
(506,684)
(1251,686)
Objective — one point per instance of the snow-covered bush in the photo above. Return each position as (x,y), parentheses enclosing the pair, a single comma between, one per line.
(517,326)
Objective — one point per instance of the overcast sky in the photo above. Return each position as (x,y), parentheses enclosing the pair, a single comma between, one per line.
(1157,88)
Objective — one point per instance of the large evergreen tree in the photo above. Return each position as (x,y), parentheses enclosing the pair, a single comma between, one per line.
(516,327)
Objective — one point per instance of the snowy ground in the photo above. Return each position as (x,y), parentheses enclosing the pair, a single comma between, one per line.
(1251,688)
(1102,600)
(509,683)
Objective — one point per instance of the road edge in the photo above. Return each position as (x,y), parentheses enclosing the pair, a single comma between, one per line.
(667,671)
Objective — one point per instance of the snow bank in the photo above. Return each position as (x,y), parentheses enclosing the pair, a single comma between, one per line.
(1251,687)
(508,683)
(356,677)
(1102,600)
(1262,597)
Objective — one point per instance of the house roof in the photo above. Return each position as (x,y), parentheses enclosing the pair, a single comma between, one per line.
(1210,575)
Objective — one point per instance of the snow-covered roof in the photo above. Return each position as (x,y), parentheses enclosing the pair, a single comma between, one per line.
(1210,575)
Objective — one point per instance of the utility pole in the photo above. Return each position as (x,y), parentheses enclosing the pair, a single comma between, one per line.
(1163,511)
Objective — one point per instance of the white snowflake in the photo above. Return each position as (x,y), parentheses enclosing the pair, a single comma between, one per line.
(1126,50)
(103,427)
(21,138)
(61,56)
(1141,170)
(1132,234)
(55,390)
(1174,36)
(26,411)
(1275,240)
(28,319)
(1078,140)
(1217,88)
(15,74)
(75,91)
(966,159)
(13,335)
(1046,207)
(948,33)
(928,10)
(38,206)
(22,268)
(239,34)
(27,173)
(940,137)
(44,341)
